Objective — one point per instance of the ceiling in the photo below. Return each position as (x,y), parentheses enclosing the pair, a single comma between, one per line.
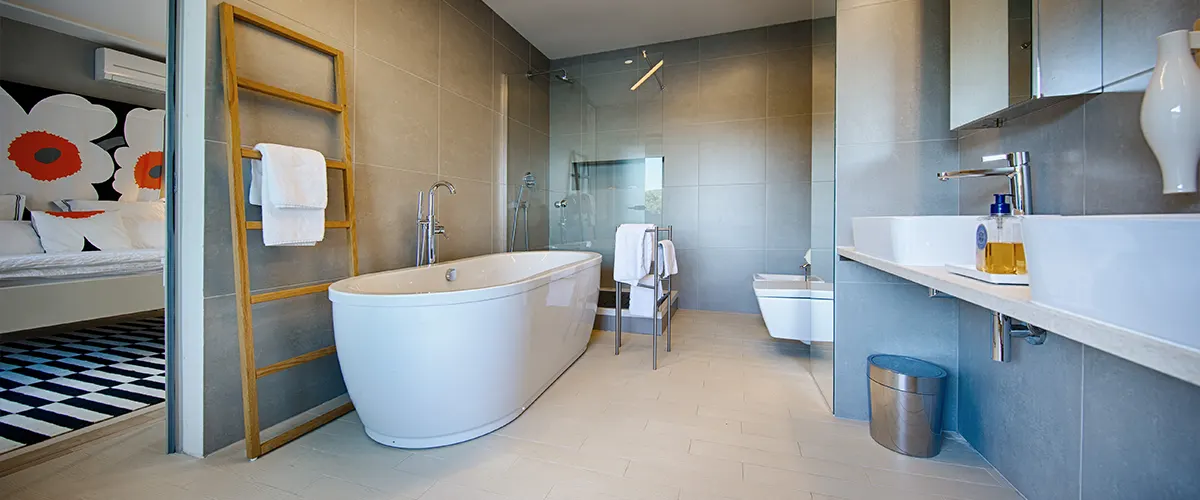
(133,25)
(564,28)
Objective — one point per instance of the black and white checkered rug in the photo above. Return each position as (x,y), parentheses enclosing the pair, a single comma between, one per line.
(56,384)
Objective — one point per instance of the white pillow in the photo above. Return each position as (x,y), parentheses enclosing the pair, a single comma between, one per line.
(12,206)
(146,221)
(17,237)
(81,231)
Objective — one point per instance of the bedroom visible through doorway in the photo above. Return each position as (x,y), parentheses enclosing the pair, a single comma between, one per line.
(83,222)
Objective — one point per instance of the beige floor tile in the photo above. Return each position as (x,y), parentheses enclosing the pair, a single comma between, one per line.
(787,461)
(939,486)
(729,415)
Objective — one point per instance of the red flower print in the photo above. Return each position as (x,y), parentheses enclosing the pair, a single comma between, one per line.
(82,214)
(44,156)
(149,169)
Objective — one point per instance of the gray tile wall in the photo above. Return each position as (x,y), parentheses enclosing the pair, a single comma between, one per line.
(424,82)
(735,125)
(1064,420)
(893,134)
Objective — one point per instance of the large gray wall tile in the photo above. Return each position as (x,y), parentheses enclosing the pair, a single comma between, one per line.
(732,216)
(386,203)
(822,214)
(467,216)
(790,35)
(1122,174)
(1023,416)
(510,38)
(402,32)
(1130,30)
(465,62)
(465,138)
(894,179)
(1140,432)
(891,319)
(681,206)
(726,281)
(681,149)
(681,106)
(904,44)
(737,43)
(789,82)
(396,118)
(732,152)
(822,147)
(509,70)
(615,106)
(475,10)
(788,216)
(790,143)
(281,395)
(733,88)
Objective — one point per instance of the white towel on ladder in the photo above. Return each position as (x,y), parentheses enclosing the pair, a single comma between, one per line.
(290,185)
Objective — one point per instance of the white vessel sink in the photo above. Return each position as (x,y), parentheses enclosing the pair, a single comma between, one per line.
(1135,271)
(917,241)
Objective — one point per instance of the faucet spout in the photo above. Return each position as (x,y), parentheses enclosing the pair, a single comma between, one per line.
(1017,172)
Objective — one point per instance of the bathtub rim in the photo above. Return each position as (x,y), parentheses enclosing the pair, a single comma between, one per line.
(338,295)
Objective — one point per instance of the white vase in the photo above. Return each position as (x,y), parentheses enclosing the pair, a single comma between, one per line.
(1171,113)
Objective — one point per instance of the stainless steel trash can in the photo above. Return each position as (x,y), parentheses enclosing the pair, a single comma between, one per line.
(906,404)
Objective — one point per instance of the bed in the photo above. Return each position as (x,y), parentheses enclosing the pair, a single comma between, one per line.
(52,289)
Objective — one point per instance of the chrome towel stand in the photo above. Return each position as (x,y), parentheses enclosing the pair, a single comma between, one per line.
(658,330)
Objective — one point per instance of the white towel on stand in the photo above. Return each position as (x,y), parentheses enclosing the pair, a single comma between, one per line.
(666,255)
(290,185)
(633,252)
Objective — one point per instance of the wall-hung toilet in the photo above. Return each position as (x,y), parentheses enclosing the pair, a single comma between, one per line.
(795,309)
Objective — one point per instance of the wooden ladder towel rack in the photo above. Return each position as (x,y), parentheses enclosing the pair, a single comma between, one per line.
(250,371)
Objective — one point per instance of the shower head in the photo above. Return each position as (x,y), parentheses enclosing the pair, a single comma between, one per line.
(528,180)
(557,74)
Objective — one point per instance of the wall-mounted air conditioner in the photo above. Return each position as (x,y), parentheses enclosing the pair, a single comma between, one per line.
(130,70)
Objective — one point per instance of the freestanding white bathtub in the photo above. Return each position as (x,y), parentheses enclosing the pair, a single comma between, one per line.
(438,355)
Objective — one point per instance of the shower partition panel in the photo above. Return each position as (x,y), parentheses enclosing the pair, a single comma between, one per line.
(603,195)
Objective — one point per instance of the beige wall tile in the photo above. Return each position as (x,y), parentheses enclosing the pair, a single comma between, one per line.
(331,17)
(734,88)
(401,32)
(396,118)
(475,10)
(467,216)
(466,58)
(511,39)
(519,87)
(465,138)
(386,201)
(518,151)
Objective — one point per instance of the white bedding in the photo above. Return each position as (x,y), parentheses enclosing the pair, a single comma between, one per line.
(81,264)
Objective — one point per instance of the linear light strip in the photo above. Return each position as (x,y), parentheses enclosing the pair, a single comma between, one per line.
(647,77)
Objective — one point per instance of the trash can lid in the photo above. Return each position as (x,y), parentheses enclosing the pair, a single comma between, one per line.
(906,374)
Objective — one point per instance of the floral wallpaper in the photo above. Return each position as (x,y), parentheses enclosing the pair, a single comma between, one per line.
(61,146)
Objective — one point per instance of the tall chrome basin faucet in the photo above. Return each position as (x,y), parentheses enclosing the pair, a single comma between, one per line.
(428,228)
(1017,172)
